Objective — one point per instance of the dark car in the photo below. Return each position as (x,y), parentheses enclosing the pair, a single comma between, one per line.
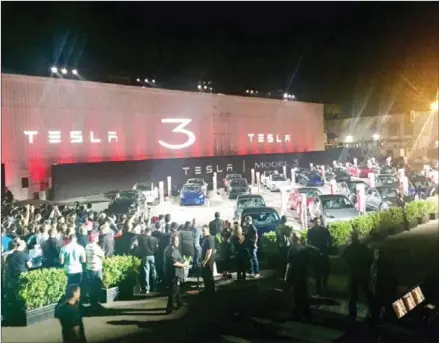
(338,174)
(237,187)
(247,201)
(387,170)
(126,202)
(265,219)
(230,177)
(311,178)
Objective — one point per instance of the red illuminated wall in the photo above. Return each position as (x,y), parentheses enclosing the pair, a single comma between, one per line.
(220,124)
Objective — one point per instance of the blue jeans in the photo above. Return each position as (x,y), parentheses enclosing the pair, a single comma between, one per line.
(148,273)
(254,263)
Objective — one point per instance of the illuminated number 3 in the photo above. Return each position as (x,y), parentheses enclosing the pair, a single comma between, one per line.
(179,129)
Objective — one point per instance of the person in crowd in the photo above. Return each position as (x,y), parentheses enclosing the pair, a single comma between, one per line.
(161,223)
(124,243)
(251,237)
(70,316)
(167,225)
(17,261)
(147,246)
(239,251)
(93,269)
(83,238)
(216,225)
(51,250)
(320,239)
(6,240)
(296,276)
(197,234)
(43,234)
(383,284)
(283,237)
(358,258)
(106,240)
(174,272)
(72,256)
(207,261)
(225,249)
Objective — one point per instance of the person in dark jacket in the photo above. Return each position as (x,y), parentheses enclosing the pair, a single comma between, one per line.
(216,225)
(283,237)
(106,240)
(51,249)
(146,248)
(124,244)
(358,258)
(239,251)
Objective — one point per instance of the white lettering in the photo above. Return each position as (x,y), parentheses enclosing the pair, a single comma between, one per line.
(93,139)
(270,138)
(229,168)
(112,136)
(31,135)
(76,137)
(287,138)
(250,137)
(209,170)
(185,170)
(278,140)
(218,169)
(270,165)
(260,138)
(197,170)
(54,137)
(191,138)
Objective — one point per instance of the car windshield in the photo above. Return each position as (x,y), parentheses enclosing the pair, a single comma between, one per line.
(233,176)
(387,180)
(238,183)
(336,203)
(353,186)
(144,188)
(340,172)
(126,196)
(310,193)
(196,181)
(277,178)
(251,202)
(388,193)
(264,218)
(191,188)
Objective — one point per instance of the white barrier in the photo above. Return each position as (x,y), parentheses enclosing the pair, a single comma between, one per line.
(258,181)
(371,177)
(161,192)
(293,176)
(253,176)
(215,183)
(311,166)
(361,198)
(333,186)
(334,164)
(169,187)
(323,171)
(285,171)
(303,212)
(355,162)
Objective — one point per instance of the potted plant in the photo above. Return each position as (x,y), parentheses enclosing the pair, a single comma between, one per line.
(391,221)
(111,275)
(432,207)
(424,214)
(341,233)
(412,214)
(130,267)
(270,250)
(34,298)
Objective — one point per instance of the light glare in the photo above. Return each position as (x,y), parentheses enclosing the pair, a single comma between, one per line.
(376,136)
(64,71)
(74,72)
(54,70)
(349,139)
(434,106)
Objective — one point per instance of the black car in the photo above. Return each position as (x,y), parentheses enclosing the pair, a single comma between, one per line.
(237,187)
(338,174)
(126,202)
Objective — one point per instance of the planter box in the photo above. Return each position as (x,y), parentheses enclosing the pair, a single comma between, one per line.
(22,317)
(433,216)
(424,219)
(108,295)
(411,224)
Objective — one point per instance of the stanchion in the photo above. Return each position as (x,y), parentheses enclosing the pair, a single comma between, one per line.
(258,181)
(361,201)
(215,184)
(371,177)
(303,212)
(169,188)
(253,177)
(161,192)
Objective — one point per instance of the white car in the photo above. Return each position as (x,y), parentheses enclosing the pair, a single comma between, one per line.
(265,176)
(200,182)
(278,182)
(331,208)
(150,192)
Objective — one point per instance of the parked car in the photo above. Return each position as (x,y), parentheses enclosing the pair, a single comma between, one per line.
(247,201)
(361,171)
(424,187)
(126,202)
(311,178)
(337,174)
(150,192)
(277,182)
(381,198)
(388,180)
(265,177)
(332,208)
(236,187)
(230,177)
(386,170)
(199,182)
(265,219)
(295,196)
(192,194)
(349,189)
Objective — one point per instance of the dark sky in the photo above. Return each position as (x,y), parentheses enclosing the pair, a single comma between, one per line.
(372,53)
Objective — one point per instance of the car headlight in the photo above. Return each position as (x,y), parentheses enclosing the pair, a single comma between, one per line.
(201,196)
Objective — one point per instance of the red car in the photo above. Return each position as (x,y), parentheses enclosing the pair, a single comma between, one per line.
(296,195)
(360,171)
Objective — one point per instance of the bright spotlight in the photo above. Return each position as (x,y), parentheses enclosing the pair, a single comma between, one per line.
(349,139)
(376,137)
(434,106)
(199,86)
(285,95)
(247,91)
(74,72)
(54,70)
(205,87)
(64,71)
(138,80)
(291,96)
(146,80)
(153,81)
(251,92)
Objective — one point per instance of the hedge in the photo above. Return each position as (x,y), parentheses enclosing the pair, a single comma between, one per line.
(118,269)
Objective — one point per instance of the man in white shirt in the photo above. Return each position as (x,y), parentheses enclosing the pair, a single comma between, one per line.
(72,256)
(94,256)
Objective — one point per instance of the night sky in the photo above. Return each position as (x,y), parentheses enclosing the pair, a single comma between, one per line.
(371,58)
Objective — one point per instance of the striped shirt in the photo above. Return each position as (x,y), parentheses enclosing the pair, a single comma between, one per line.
(94,255)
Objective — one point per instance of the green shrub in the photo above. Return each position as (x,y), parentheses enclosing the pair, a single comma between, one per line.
(390,219)
(269,245)
(118,269)
(412,211)
(340,232)
(432,205)
(365,224)
(37,288)
(423,207)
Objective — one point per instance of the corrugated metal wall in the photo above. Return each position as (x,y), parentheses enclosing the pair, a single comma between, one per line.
(220,124)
